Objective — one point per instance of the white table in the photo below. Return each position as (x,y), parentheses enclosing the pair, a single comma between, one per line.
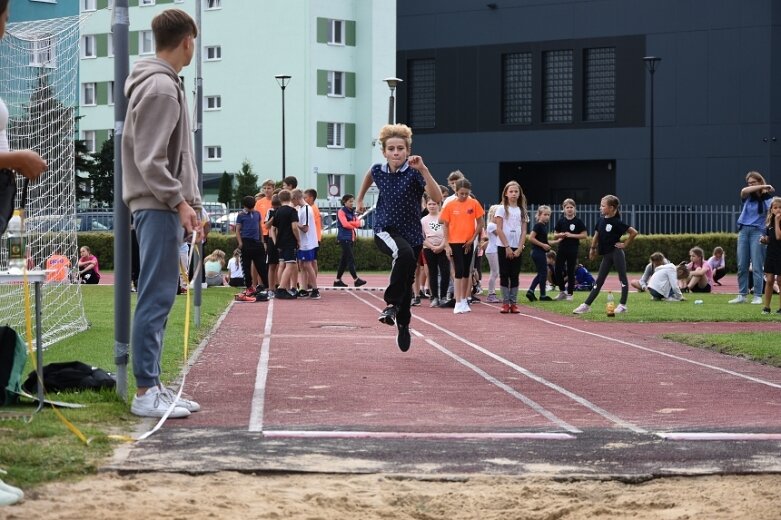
(36,278)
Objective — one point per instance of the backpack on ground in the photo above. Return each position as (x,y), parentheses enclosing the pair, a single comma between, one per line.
(13,356)
(70,375)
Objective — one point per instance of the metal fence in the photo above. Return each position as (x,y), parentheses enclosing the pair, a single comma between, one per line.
(647,219)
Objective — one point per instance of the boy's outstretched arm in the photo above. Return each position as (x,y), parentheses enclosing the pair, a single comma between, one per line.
(365,185)
(432,188)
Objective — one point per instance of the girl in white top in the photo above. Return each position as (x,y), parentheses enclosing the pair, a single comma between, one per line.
(491,254)
(235,276)
(510,220)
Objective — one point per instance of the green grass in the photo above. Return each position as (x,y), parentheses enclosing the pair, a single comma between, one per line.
(43,449)
(764,347)
(642,309)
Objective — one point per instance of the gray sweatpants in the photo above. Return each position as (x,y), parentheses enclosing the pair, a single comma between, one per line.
(159,236)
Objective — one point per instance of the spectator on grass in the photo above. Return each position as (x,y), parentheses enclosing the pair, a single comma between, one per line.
(213,266)
(663,284)
(756,198)
(88,267)
(717,264)
(235,276)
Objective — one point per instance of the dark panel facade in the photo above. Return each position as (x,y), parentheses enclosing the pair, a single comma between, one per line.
(563,86)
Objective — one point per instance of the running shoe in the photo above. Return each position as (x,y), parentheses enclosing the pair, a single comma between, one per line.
(530,296)
(388,315)
(403,338)
(492,299)
(514,309)
(339,283)
(505,308)
(415,301)
(582,309)
(315,294)
(244,298)
(621,309)
(359,282)
(561,296)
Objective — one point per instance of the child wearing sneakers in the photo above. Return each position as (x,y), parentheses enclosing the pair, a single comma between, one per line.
(307,246)
(491,255)
(772,239)
(252,251)
(434,251)
(540,247)
(607,242)
(462,221)
(569,231)
(397,233)
(347,222)
(510,222)
(285,222)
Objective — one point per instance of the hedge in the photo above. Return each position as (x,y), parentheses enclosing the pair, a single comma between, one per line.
(368,258)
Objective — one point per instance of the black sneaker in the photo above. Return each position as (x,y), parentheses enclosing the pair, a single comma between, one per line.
(359,282)
(284,294)
(416,301)
(303,293)
(545,298)
(339,283)
(448,304)
(388,315)
(314,294)
(530,296)
(261,296)
(766,310)
(403,338)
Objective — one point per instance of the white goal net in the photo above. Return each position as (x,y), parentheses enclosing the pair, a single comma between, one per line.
(39,83)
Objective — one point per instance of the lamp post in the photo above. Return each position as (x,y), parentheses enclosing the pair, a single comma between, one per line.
(392,83)
(651,62)
(283,80)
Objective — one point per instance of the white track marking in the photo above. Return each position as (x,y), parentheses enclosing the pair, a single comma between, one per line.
(578,399)
(259,395)
(719,436)
(327,434)
(659,352)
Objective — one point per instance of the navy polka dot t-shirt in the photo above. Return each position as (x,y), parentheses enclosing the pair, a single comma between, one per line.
(398,205)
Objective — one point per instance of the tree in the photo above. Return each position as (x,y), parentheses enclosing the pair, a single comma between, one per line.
(226,189)
(102,174)
(246,182)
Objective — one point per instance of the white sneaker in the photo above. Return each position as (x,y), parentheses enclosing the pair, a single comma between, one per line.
(204,285)
(192,406)
(465,306)
(155,403)
(621,308)
(11,490)
(6,498)
(757,300)
(561,296)
(582,309)
(569,297)
(457,308)
(738,299)
(434,302)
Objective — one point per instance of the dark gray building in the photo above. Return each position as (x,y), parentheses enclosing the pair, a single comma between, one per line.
(556,94)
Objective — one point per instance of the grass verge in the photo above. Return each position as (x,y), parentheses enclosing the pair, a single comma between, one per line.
(43,449)
(764,347)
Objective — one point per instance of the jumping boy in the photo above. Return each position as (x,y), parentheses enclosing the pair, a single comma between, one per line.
(397,231)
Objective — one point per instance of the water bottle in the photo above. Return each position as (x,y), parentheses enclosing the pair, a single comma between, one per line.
(610,308)
(15,243)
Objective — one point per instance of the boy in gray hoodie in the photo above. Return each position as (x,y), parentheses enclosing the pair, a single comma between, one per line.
(160,186)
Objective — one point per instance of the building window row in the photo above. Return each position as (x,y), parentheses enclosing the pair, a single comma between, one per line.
(97,93)
(421,91)
(336,32)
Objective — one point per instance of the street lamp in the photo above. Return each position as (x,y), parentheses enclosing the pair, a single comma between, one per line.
(651,62)
(283,80)
(392,83)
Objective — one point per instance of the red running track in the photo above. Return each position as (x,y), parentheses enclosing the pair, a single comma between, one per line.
(317,367)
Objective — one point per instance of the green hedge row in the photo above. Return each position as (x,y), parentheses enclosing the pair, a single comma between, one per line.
(368,258)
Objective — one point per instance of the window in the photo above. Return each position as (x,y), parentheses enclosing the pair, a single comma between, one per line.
(213,4)
(213,153)
(214,53)
(43,53)
(89,5)
(146,42)
(110,92)
(557,86)
(213,102)
(421,92)
(336,35)
(88,49)
(88,91)
(517,88)
(335,135)
(599,84)
(142,3)
(88,136)
(335,83)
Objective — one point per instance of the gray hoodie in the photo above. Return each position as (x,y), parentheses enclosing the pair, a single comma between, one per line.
(157,152)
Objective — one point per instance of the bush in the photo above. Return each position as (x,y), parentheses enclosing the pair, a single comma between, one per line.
(368,257)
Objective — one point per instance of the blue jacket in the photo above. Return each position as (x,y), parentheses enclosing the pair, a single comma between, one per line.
(346,223)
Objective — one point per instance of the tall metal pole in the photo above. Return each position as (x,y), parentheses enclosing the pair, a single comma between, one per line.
(651,63)
(283,80)
(120,23)
(198,145)
(392,84)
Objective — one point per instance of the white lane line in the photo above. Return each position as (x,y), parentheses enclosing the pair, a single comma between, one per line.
(659,352)
(259,395)
(327,434)
(719,436)
(488,377)
(553,386)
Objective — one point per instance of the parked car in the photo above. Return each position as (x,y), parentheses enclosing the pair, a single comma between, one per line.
(83,221)
(216,211)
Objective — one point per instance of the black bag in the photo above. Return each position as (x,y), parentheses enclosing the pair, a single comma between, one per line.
(7,197)
(13,356)
(71,375)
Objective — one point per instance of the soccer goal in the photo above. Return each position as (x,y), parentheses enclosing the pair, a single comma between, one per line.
(39,83)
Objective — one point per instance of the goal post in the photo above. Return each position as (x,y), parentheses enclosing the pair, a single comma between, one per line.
(39,63)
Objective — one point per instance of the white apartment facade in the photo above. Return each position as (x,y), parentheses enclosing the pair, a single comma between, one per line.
(336,52)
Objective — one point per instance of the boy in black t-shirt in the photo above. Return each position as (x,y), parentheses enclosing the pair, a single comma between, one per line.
(287,241)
